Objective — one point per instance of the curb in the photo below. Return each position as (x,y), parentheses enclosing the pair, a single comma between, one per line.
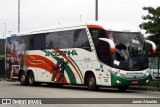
(145,88)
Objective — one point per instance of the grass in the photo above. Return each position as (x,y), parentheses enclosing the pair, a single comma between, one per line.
(154,83)
(3,79)
(2,58)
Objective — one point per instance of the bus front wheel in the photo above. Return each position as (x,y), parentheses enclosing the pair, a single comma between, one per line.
(91,82)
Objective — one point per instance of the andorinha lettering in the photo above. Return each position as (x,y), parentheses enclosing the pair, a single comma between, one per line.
(61,53)
(133,73)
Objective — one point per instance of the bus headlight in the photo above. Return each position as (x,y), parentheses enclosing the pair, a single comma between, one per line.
(147,81)
(147,74)
(118,82)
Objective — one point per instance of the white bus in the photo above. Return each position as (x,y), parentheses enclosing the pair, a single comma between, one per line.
(93,54)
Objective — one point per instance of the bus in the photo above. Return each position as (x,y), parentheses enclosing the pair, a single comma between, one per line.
(91,53)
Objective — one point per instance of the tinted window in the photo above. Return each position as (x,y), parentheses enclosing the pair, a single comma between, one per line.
(38,41)
(96,34)
(28,39)
(66,39)
(102,48)
(120,37)
(81,39)
(63,39)
(52,40)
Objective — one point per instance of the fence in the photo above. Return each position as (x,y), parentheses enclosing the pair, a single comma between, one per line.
(154,65)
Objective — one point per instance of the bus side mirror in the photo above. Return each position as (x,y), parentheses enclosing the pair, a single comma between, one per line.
(111,43)
(153,46)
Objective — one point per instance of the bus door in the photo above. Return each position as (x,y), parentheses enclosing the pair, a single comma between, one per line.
(104,55)
(105,74)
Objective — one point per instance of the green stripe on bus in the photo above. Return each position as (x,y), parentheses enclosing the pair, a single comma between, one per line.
(68,70)
(76,66)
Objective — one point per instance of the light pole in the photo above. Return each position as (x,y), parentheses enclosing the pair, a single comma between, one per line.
(96,10)
(80,17)
(4,30)
(18,16)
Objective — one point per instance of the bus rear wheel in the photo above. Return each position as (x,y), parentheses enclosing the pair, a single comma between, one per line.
(23,79)
(91,82)
(30,79)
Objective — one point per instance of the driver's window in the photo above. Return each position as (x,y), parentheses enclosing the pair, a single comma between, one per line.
(103,52)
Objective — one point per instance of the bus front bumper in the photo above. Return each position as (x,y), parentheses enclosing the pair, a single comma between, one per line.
(121,81)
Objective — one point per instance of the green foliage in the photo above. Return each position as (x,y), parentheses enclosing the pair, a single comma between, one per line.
(152,24)
(2,58)
(154,83)
(3,79)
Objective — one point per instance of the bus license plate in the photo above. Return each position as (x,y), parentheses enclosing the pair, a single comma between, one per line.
(134,82)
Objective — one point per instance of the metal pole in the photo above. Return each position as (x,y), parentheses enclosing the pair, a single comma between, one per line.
(96,11)
(4,30)
(18,16)
(80,18)
(3,35)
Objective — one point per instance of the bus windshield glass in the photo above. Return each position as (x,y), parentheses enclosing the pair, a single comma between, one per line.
(130,49)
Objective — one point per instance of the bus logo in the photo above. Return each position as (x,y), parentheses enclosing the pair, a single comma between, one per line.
(6,101)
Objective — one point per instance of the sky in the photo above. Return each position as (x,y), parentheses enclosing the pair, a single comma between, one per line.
(38,14)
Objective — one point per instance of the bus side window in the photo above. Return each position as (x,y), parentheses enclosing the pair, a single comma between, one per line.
(52,40)
(39,42)
(66,39)
(103,52)
(28,39)
(81,39)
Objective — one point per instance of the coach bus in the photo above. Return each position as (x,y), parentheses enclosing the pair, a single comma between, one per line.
(92,54)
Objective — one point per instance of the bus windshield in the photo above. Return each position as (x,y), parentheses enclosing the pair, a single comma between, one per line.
(130,49)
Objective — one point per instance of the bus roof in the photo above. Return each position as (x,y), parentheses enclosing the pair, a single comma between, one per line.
(101,24)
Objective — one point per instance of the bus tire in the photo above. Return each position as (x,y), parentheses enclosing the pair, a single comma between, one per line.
(22,78)
(30,79)
(122,88)
(91,82)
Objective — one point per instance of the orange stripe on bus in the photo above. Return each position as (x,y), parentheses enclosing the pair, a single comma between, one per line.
(95,26)
(43,63)
(112,50)
(154,51)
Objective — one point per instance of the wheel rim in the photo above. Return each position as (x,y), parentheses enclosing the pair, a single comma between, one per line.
(22,78)
(30,79)
(91,82)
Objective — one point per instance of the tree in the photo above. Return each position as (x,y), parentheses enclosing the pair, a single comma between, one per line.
(152,24)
